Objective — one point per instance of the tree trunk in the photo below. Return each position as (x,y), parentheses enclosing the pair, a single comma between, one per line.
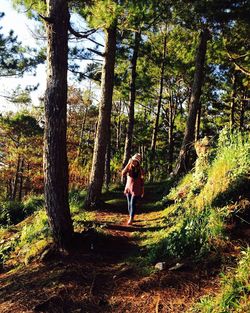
(131,114)
(233,103)
(21,180)
(187,145)
(55,154)
(107,162)
(198,122)
(81,139)
(155,130)
(15,183)
(118,130)
(170,134)
(244,102)
(27,181)
(98,164)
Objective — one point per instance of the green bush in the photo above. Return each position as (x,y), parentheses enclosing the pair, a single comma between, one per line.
(12,212)
(76,200)
(190,235)
(38,229)
(196,222)
(32,204)
(234,294)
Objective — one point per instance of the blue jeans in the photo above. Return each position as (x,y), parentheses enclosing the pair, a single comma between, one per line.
(131,205)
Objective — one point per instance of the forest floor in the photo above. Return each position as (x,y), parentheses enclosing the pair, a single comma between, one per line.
(101,275)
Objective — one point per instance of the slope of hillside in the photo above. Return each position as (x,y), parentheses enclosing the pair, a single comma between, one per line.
(199,230)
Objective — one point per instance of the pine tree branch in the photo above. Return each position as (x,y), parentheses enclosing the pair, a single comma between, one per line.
(47,19)
(96,52)
(82,35)
(95,42)
(237,65)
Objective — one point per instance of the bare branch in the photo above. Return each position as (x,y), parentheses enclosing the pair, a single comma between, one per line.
(97,43)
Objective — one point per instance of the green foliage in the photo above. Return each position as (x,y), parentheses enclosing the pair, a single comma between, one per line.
(13,212)
(196,222)
(15,58)
(34,7)
(33,203)
(234,293)
(27,240)
(76,199)
(38,229)
(189,234)
(21,124)
(102,14)
(227,171)
(34,237)
(80,217)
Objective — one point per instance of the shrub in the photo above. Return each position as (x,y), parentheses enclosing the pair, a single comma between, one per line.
(12,212)
(76,200)
(33,203)
(234,294)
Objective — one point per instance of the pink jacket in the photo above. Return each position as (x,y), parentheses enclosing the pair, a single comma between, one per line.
(134,186)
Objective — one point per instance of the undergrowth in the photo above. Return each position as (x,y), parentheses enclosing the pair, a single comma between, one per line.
(26,240)
(233,296)
(13,212)
(196,221)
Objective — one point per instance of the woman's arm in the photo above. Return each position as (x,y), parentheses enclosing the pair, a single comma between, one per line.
(126,168)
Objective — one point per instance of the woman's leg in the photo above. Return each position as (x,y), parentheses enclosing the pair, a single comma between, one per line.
(129,202)
(133,206)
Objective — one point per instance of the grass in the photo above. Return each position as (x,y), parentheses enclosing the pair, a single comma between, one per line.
(25,241)
(196,222)
(189,222)
(233,296)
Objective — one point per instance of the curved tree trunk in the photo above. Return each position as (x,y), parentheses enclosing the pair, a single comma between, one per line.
(98,164)
(187,145)
(131,114)
(55,154)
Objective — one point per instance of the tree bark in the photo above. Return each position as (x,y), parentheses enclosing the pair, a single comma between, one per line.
(156,125)
(15,183)
(131,114)
(55,153)
(118,129)
(81,139)
(233,103)
(171,134)
(107,83)
(244,102)
(198,122)
(155,130)
(107,161)
(21,180)
(186,150)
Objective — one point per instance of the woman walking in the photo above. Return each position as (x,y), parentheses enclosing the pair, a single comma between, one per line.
(134,188)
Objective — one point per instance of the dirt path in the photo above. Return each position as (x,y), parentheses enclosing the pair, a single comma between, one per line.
(97,277)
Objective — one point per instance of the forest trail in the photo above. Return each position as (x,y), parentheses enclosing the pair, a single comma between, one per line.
(99,276)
